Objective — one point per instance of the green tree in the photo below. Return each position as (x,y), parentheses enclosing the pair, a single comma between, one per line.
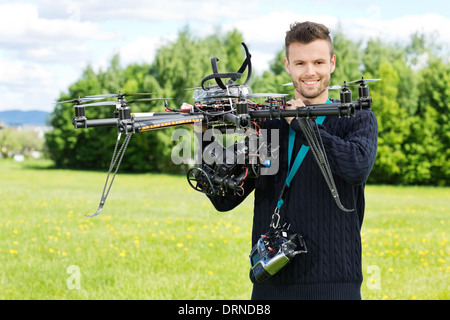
(433,121)
(393,126)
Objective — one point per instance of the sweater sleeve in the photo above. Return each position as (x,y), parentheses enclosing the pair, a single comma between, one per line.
(350,145)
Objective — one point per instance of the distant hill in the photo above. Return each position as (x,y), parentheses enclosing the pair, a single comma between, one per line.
(19,118)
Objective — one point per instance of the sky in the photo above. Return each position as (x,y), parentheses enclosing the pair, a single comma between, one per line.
(45,45)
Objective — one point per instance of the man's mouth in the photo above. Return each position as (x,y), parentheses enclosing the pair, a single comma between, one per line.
(310,82)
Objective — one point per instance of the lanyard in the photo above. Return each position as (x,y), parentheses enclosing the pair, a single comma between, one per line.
(297,162)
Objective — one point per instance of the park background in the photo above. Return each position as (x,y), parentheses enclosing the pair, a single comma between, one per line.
(159,239)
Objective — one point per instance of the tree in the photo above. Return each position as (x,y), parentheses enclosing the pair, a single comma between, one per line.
(433,121)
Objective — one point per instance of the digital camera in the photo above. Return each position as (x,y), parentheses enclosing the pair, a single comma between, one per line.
(273,251)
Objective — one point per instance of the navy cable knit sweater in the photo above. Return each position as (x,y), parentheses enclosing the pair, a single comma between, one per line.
(332,267)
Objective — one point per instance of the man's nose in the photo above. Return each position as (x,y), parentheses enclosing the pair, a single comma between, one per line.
(310,70)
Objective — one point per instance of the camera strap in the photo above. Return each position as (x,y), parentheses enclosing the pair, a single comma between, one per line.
(292,171)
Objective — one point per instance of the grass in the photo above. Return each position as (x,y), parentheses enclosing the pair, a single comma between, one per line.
(159,239)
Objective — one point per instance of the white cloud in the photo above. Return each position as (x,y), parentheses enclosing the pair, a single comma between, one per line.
(400,29)
(25,85)
(141,50)
(19,74)
(156,10)
(23,34)
(22,19)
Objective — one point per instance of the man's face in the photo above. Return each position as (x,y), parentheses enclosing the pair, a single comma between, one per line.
(310,66)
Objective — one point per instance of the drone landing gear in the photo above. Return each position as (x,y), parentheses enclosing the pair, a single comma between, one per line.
(115,162)
(202,182)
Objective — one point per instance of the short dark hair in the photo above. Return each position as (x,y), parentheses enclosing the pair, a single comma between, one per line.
(306,32)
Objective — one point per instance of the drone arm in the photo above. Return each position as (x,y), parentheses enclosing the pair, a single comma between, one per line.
(84,123)
(329,109)
(171,120)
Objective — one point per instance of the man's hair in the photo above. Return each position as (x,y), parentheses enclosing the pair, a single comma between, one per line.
(306,32)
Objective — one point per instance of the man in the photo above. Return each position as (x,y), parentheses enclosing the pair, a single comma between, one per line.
(331,269)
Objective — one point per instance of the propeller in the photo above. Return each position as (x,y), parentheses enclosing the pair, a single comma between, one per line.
(335,87)
(362,81)
(272,95)
(114,103)
(352,83)
(119,95)
(79,101)
(148,99)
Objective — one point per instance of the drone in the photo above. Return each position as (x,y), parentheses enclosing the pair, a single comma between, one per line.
(221,106)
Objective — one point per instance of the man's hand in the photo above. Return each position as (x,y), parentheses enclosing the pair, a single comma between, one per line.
(292,105)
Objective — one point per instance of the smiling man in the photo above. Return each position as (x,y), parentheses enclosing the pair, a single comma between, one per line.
(310,60)
(331,268)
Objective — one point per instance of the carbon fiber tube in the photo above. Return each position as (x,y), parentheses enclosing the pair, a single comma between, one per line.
(308,111)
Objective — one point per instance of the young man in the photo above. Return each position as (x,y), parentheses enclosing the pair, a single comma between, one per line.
(331,269)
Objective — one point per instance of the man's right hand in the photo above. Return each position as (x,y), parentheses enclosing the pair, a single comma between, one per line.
(293,105)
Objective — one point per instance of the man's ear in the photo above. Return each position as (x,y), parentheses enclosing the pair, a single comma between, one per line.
(333,64)
(286,63)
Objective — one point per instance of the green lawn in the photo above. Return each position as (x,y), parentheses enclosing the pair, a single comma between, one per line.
(158,239)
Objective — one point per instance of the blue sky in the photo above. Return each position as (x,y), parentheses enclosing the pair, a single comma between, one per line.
(44,45)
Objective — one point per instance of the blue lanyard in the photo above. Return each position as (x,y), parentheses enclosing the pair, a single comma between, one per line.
(298,160)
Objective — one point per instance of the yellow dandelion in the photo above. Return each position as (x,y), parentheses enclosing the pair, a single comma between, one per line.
(12,251)
(210,273)
(123,253)
(210,244)
(51,250)
(180,244)
(15,231)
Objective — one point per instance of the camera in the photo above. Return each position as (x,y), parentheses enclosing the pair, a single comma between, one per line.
(273,251)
